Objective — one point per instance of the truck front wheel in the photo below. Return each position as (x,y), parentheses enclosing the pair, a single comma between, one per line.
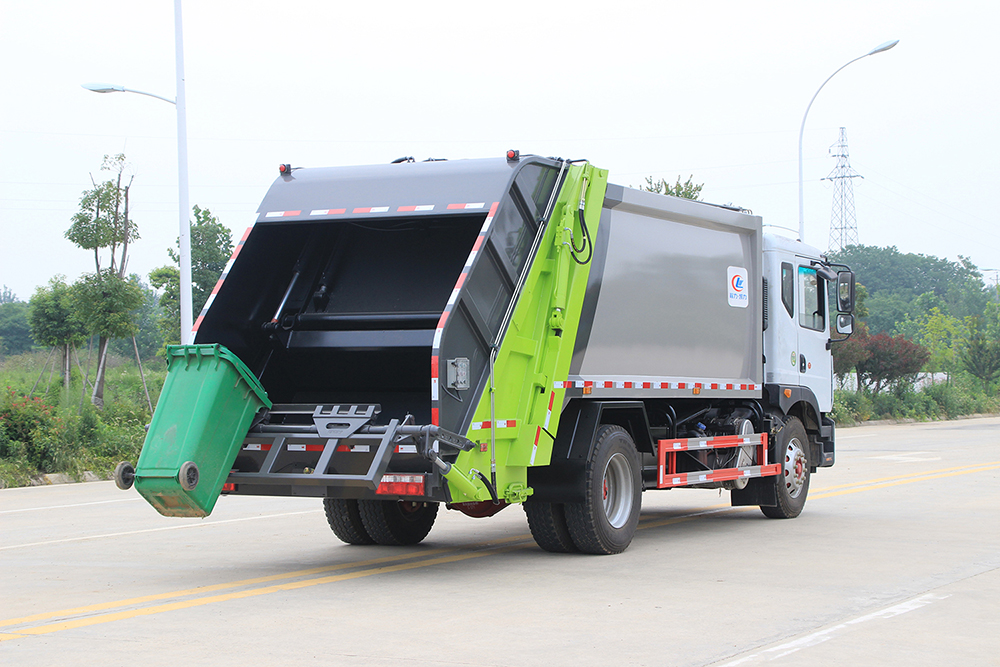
(397,522)
(606,520)
(792,482)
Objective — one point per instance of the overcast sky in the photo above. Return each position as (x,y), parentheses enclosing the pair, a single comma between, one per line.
(713,89)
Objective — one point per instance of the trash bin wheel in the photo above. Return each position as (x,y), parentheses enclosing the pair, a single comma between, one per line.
(188,475)
(124,475)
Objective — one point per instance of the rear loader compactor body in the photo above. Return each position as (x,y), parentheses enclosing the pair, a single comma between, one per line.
(487,332)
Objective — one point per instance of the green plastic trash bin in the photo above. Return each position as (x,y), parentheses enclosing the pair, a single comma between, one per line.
(208,402)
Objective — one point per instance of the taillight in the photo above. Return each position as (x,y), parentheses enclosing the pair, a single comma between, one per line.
(401,485)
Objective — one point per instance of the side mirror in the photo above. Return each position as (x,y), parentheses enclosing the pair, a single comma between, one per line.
(845,324)
(825,272)
(845,292)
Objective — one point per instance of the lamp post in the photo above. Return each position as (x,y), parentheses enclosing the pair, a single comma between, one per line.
(182,170)
(878,49)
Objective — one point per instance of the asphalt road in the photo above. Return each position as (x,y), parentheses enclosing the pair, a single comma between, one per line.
(895,561)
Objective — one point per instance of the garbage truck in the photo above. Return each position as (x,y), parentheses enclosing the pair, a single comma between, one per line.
(489,332)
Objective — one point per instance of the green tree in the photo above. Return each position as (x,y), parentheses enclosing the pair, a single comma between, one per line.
(15,329)
(7,295)
(211,248)
(55,321)
(980,355)
(941,334)
(103,225)
(688,189)
(167,279)
(105,303)
(148,338)
(910,284)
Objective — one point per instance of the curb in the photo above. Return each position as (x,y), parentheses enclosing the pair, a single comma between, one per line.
(910,420)
(63,478)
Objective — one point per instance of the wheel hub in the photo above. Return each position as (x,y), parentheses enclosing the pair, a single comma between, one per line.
(795,468)
(617,490)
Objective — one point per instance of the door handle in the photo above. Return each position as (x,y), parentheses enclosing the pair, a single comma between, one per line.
(802,363)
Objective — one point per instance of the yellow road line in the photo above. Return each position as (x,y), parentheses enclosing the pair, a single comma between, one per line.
(906,476)
(922,478)
(418,560)
(216,587)
(237,595)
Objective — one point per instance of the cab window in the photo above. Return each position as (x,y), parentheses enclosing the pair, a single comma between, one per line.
(812,309)
(788,288)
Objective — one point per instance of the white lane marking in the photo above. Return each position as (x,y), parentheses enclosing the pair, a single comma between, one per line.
(908,457)
(821,636)
(155,530)
(60,507)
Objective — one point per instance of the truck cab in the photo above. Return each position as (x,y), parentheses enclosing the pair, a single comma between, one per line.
(798,364)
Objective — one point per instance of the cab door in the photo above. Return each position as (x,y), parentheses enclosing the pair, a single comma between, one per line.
(795,343)
(814,362)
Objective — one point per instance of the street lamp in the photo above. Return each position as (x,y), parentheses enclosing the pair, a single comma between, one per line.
(182,169)
(878,49)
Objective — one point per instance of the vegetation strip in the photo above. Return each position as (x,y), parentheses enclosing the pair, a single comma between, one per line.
(512,543)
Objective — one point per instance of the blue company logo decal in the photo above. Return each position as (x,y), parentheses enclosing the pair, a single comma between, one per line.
(739,296)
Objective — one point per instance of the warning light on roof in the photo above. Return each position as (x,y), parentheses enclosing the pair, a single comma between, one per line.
(513,155)
(285,168)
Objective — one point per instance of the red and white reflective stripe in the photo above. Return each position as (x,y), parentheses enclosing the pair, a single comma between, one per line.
(725,475)
(439,329)
(413,209)
(637,383)
(301,447)
(534,445)
(406,449)
(667,460)
(357,449)
(501,423)
(306,448)
(467,207)
(689,444)
(282,214)
(548,413)
(222,278)
(328,211)
(371,209)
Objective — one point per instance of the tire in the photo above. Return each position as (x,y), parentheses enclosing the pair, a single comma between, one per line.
(792,483)
(397,522)
(124,475)
(345,519)
(605,522)
(188,475)
(547,522)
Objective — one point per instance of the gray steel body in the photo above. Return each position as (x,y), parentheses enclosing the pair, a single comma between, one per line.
(660,305)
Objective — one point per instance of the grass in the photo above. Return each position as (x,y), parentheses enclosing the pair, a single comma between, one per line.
(47,426)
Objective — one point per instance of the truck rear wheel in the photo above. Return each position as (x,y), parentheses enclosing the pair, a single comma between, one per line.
(345,519)
(547,522)
(397,522)
(792,483)
(606,520)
